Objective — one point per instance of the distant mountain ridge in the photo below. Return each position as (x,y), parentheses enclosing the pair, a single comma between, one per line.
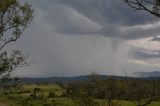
(65,79)
(143,75)
(147,74)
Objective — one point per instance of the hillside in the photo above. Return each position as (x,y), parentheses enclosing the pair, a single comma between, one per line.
(65,79)
(147,74)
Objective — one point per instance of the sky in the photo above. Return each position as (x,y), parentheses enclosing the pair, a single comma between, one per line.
(77,37)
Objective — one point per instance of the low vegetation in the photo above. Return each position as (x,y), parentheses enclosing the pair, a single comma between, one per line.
(93,92)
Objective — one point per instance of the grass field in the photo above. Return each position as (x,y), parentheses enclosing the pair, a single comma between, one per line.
(22,97)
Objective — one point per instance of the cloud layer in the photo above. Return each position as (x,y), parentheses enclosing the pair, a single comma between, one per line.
(75,37)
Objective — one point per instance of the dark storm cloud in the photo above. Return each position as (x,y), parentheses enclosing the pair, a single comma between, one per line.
(107,11)
(104,17)
(75,37)
(148,56)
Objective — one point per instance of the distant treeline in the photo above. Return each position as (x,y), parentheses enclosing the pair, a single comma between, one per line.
(75,79)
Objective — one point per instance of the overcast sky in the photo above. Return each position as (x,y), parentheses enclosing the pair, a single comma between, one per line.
(77,37)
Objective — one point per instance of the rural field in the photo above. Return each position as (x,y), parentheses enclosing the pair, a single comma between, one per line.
(46,95)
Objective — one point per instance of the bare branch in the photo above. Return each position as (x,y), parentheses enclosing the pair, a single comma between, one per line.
(145,6)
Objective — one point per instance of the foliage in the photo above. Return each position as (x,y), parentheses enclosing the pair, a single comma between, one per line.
(51,94)
(143,92)
(14,19)
(22,97)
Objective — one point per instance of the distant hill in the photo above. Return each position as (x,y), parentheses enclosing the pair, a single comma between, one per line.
(147,74)
(65,79)
(143,75)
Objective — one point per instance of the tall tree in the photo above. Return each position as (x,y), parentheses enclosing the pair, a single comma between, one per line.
(14,19)
(151,6)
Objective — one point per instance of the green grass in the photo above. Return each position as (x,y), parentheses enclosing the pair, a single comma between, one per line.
(128,103)
(45,88)
(19,98)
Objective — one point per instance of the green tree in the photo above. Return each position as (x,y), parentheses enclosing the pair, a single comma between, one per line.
(143,92)
(17,81)
(112,92)
(6,81)
(37,93)
(14,19)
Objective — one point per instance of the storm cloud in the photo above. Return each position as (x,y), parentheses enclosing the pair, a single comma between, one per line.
(76,37)
(104,17)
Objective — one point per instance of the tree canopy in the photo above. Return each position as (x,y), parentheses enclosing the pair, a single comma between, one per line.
(14,19)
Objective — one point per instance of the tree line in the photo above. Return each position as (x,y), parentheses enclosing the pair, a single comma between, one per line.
(111,91)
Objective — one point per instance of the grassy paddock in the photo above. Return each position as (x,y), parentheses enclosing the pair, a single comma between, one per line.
(23,97)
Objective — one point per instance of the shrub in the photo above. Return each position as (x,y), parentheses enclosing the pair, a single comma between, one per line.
(5,93)
(51,94)
(26,91)
(31,95)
